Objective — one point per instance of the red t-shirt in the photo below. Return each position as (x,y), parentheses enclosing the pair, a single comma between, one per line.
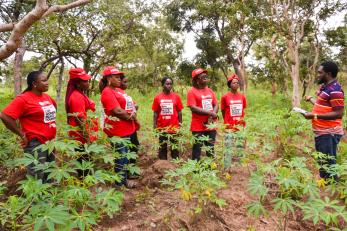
(79,104)
(234,106)
(36,114)
(167,107)
(114,126)
(133,106)
(202,98)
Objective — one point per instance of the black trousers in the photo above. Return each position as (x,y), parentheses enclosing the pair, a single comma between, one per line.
(166,139)
(43,156)
(85,157)
(211,135)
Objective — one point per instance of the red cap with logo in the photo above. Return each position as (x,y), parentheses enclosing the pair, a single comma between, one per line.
(197,72)
(232,77)
(78,73)
(110,70)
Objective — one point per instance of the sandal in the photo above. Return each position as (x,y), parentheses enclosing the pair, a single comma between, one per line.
(131,184)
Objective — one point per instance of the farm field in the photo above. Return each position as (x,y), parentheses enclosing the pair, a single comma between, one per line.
(274,185)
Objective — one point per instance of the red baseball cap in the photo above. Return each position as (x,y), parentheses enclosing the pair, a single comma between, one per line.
(79,73)
(197,72)
(232,77)
(110,70)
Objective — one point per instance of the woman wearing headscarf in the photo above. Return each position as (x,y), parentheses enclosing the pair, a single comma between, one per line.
(36,113)
(233,106)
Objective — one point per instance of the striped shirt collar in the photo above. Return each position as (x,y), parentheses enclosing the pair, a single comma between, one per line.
(325,86)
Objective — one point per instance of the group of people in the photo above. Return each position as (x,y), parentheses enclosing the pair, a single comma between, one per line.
(36,112)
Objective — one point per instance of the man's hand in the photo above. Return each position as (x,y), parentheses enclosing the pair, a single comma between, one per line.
(308,98)
(308,115)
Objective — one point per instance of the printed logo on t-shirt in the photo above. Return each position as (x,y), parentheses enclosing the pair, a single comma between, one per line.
(166,107)
(49,113)
(236,107)
(129,104)
(207,104)
(206,96)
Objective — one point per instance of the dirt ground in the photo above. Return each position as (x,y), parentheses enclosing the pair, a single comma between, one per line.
(154,207)
(151,206)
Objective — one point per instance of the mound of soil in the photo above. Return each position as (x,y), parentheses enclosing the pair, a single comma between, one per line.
(154,173)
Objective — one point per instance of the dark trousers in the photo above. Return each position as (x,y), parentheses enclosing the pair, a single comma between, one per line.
(196,153)
(43,156)
(122,161)
(82,173)
(135,146)
(327,144)
(166,139)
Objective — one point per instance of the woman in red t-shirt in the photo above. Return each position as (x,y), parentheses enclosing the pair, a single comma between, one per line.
(133,137)
(203,103)
(233,106)
(36,112)
(119,116)
(167,117)
(77,104)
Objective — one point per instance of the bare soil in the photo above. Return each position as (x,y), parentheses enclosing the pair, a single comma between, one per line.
(154,207)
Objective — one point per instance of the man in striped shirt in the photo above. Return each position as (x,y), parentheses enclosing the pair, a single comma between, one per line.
(326,116)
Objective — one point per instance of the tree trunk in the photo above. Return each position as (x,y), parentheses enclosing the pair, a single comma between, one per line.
(244,75)
(273,88)
(17,68)
(60,79)
(238,72)
(295,69)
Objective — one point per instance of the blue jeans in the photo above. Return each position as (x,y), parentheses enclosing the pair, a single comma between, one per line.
(327,144)
(121,162)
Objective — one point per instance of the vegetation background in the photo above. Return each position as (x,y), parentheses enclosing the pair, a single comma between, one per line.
(274,46)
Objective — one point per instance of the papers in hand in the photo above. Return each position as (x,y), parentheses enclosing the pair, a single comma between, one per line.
(299,110)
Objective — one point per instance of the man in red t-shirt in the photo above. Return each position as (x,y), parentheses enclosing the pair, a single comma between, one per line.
(203,103)
(36,112)
(167,117)
(233,106)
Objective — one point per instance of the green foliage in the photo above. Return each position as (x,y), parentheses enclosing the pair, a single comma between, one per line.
(197,181)
(69,202)
(325,210)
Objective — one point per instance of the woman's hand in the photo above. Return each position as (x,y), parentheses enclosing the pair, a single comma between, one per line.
(24,142)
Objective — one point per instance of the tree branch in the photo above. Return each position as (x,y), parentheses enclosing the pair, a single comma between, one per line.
(19,29)
(62,8)
(6,27)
